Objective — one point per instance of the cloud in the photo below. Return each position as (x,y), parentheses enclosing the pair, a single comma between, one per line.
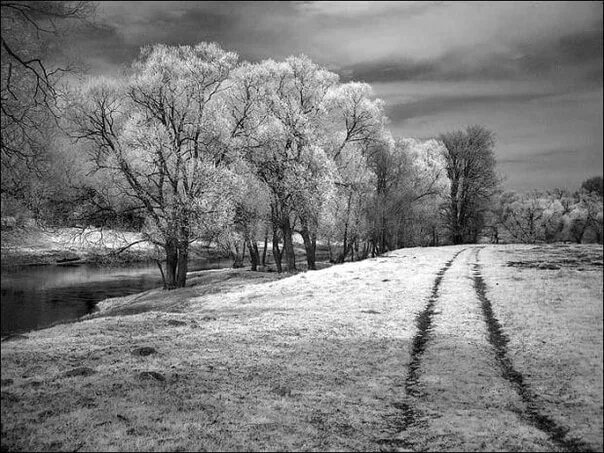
(563,167)
(451,104)
(576,56)
(377,41)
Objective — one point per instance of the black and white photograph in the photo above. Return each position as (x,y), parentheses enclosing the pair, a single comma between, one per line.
(365,226)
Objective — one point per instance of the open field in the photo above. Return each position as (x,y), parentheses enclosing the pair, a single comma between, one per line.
(464,348)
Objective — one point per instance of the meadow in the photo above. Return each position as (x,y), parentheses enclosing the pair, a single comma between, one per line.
(467,348)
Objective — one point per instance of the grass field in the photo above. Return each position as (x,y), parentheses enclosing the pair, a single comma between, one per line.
(389,354)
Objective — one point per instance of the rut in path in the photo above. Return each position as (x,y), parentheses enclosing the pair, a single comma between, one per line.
(423,322)
(499,340)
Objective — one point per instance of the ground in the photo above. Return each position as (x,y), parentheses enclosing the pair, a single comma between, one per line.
(464,348)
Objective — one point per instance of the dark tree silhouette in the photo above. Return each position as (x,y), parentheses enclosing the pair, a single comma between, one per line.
(29,79)
(471,170)
(594,184)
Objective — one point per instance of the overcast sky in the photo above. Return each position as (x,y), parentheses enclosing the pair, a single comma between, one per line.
(529,71)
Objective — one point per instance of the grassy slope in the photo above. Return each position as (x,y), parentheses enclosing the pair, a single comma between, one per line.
(315,361)
(308,362)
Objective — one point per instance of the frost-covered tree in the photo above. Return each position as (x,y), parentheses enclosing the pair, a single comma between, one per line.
(354,127)
(550,216)
(424,189)
(299,129)
(585,216)
(160,135)
(523,216)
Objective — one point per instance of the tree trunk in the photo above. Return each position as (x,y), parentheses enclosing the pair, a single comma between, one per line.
(383,245)
(238,256)
(310,245)
(454,215)
(288,245)
(276,252)
(171,263)
(183,264)
(183,258)
(161,271)
(342,256)
(265,247)
(254,254)
(365,250)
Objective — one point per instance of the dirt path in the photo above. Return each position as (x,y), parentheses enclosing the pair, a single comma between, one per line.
(463,393)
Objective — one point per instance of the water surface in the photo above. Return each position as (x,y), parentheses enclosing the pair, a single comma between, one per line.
(33,297)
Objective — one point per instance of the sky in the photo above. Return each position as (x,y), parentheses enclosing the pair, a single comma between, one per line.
(529,71)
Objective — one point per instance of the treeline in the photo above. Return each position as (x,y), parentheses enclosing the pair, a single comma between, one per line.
(550,216)
(190,144)
(200,146)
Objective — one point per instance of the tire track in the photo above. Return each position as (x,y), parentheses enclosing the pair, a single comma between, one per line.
(424,323)
(499,340)
(418,346)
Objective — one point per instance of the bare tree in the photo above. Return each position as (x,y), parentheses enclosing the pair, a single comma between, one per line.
(471,170)
(29,81)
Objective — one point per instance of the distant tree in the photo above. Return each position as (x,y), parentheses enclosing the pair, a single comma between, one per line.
(471,171)
(388,167)
(595,184)
(422,191)
(550,216)
(160,137)
(586,216)
(523,216)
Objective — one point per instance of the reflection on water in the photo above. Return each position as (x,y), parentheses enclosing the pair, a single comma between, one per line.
(38,296)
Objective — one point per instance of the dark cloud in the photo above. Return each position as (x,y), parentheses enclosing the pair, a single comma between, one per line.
(578,54)
(564,167)
(569,56)
(427,106)
(103,41)
(252,29)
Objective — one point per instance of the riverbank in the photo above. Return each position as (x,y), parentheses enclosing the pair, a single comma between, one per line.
(35,246)
(31,246)
(326,360)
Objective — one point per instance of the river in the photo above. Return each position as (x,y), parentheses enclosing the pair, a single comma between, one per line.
(33,297)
